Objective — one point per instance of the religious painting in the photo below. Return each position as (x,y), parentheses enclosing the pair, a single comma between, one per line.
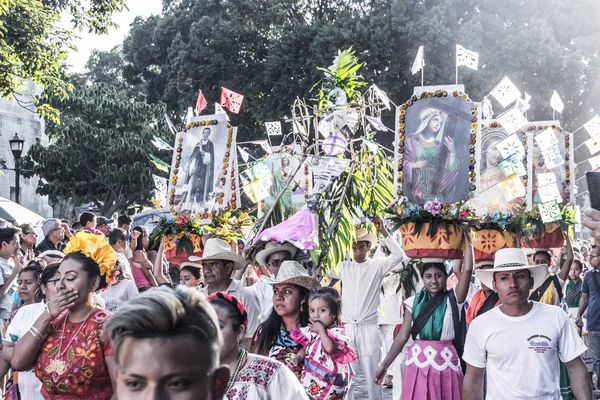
(203,176)
(435,147)
(549,160)
(502,171)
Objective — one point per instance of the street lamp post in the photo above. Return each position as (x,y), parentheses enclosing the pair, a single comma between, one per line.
(16,146)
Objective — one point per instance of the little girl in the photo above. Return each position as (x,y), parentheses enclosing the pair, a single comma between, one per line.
(327,373)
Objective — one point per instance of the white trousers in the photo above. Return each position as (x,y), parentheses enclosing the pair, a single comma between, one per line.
(366,341)
(387,335)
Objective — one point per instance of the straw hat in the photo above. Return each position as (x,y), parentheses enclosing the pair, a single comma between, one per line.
(292,272)
(485,263)
(191,265)
(362,235)
(272,247)
(218,249)
(512,260)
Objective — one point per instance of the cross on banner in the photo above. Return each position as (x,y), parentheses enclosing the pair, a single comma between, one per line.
(454,114)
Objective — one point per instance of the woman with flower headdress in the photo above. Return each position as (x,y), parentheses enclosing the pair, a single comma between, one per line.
(65,345)
(421,154)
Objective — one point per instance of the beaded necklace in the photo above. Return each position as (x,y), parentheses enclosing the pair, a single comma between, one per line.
(240,361)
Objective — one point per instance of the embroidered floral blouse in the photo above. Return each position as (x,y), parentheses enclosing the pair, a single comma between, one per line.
(86,373)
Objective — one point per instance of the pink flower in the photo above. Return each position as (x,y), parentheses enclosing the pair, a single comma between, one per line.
(434,207)
(182,220)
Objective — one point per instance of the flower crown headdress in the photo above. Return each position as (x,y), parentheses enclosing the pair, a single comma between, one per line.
(98,249)
(430,112)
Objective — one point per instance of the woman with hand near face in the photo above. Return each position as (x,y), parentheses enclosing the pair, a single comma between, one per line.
(64,345)
(428,318)
(290,310)
(246,382)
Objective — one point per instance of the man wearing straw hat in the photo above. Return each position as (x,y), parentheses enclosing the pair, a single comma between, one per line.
(361,283)
(518,345)
(218,263)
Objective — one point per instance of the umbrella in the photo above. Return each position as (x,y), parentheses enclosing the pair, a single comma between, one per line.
(17,214)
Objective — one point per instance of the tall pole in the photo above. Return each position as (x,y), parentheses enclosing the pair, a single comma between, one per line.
(17,180)
(422,72)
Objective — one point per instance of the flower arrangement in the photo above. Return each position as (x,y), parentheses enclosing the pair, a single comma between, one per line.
(225,224)
(535,225)
(434,213)
(502,222)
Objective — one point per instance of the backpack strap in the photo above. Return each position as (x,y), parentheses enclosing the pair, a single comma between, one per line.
(539,292)
(558,287)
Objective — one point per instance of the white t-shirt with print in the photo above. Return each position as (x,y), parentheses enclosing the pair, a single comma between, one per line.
(521,354)
(117,294)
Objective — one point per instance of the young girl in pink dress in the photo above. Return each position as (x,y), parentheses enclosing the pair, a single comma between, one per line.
(327,373)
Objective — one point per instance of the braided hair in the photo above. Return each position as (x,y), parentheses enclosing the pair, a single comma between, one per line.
(236,312)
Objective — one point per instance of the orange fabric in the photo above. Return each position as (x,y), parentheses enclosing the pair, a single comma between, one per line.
(476,304)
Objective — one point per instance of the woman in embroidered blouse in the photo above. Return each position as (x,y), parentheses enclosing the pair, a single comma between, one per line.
(433,367)
(65,345)
(252,376)
(290,310)
(29,385)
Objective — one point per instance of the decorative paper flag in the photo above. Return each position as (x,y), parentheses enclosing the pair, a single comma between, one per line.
(382,96)
(231,100)
(273,128)
(486,107)
(245,155)
(546,140)
(593,126)
(170,125)
(419,62)
(264,144)
(550,212)
(157,204)
(527,97)
(512,188)
(161,144)
(376,123)
(545,179)
(256,191)
(512,165)
(219,110)
(158,163)
(549,193)
(200,103)
(512,120)
(257,170)
(326,170)
(594,162)
(161,185)
(522,105)
(371,145)
(505,92)
(593,144)
(189,115)
(553,157)
(511,145)
(556,103)
(466,57)
(331,124)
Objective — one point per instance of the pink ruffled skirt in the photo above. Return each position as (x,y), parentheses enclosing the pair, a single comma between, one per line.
(432,372)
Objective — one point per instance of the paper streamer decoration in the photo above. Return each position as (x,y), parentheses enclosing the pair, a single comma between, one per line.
(273,128)
(512,165)
(549,193)
(506,92)
(593,126)
(245,155)
(545,179)
(256,191)
(170,125)
(556,103)
(512,188)
(161,184)
(373,147)
(326,170)
(466,57)
(157,204)
(522,105)
(593,144)
(376,123)
(159,164)
(189,115)
(231,100)
(512,120)
(419,61)
(511,145)
(487,111)
(549,212)
(594,162)
(546,140)
(219,110)
(200,103)
(553,157)
(264,144)
(161,144)
(380,94)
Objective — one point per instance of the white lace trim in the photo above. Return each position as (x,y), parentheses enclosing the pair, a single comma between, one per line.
(430,354)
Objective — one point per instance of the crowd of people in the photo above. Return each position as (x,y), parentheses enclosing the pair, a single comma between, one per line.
(96,311)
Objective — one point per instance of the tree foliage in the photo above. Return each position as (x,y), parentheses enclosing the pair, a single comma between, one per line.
(100,150)
(34,47)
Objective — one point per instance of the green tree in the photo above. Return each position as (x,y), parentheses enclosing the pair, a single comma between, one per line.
(33,46)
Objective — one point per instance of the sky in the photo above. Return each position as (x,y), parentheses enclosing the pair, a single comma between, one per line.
(88,41)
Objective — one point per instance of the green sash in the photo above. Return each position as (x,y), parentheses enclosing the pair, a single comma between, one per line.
(432,330)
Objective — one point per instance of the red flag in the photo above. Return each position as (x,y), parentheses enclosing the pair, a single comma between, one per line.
(231,100)
(200,103)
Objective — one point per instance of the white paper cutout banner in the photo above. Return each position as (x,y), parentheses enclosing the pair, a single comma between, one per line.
(506,92)
(466,57)
(373,147)
(244,154)
(512,188)
(264,144)
(376,123)
(594,162)
(549,212)
(512,120)
(546,140)
(419,61)
(511,145)
(553,157)
(556,103)
(549,193)
(545,179)
(326,170)
(593,126)
(511,166)
(256,191)
(273,128)
(380,94)
(593,144)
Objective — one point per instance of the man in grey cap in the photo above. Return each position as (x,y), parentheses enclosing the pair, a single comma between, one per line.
(103,225)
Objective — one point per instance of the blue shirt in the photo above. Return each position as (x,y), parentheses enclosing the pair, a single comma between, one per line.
(593,310)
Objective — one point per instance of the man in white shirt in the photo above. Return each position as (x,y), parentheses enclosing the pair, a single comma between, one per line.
(361,283)
(518,344)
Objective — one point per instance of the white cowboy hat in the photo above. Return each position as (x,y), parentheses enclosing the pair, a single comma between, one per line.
(292,272)
(191,264)
(362,235)
(512,260)
(218,249)
(272,247)
(485,263)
